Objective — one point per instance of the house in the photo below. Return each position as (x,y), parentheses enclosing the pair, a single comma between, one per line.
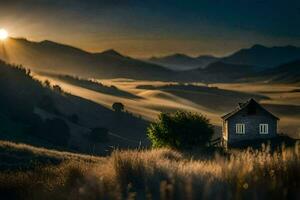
(249,121)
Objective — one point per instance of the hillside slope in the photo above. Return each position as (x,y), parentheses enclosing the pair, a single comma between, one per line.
(42,114)
(59,58)
(155,173)
(285,73)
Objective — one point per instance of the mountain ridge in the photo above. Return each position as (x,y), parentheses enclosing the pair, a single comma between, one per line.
(264,57)
(180,61)
(54,57)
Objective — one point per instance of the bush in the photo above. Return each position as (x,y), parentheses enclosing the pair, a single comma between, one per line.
(118,107)
(180,130)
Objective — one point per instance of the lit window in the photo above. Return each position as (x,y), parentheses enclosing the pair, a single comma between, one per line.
(263,128)
(240,128)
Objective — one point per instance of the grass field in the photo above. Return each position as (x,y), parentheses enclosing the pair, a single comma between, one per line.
(149,174)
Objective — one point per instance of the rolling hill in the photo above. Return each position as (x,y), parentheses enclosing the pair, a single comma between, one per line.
(42,114)
(219,72)
(285,73)
(50,56)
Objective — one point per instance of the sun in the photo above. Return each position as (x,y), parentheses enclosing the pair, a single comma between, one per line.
(3,34)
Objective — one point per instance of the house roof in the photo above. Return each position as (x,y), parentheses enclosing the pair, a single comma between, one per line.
(250,103)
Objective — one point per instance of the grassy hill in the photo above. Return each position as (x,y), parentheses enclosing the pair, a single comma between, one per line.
(42,114)
(144,174)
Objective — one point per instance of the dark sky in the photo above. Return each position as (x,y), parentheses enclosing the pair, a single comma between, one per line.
(155,27)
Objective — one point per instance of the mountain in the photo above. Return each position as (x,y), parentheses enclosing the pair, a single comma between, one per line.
(181,62)
(228,69)
(218,72)
(288,72)
(50,56)
(264,57)
(109,52)
(222,72)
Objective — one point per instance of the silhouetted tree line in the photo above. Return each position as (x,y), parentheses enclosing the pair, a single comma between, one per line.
(20,94)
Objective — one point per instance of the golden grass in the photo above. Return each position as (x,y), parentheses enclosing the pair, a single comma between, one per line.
(162,174)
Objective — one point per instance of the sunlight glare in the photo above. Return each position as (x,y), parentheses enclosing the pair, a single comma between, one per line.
(3,34)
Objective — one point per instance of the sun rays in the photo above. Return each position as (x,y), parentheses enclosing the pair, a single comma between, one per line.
(3,34)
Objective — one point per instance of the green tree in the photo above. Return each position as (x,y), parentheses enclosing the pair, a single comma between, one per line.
(118,107)
(180,130)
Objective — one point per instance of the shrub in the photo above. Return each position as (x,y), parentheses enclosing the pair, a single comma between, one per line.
(180,130)
(118,107)
(57,89)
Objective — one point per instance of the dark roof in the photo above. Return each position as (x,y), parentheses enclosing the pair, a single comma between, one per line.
(250,103)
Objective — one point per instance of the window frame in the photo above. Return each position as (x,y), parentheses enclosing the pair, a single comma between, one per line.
(263,129)
(240,128)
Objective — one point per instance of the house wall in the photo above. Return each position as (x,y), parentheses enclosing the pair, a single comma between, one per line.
(251,126)
(225,130)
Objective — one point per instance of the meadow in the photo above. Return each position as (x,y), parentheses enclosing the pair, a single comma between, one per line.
(150,174)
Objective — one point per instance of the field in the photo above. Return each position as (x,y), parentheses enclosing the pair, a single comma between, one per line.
(149,174)
(212,100)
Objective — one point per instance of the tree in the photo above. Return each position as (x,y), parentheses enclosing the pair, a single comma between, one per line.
(118,107)
(180,130)
(47,83)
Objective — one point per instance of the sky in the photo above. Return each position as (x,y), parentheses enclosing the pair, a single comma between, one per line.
(144,28)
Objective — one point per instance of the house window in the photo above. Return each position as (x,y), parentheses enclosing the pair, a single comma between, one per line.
(263,128)
(240,128)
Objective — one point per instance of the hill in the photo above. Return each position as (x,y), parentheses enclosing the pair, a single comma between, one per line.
(50,56)
(183,62)
(155,173)
(42,114)
(218,72)
(285,73)
(229,70)
(264,57)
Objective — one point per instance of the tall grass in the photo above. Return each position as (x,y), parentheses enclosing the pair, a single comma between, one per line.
(163,174)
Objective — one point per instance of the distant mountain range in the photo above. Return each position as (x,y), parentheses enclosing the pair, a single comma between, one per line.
(183,62)
(258,55)
(264,57)
(48,56)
